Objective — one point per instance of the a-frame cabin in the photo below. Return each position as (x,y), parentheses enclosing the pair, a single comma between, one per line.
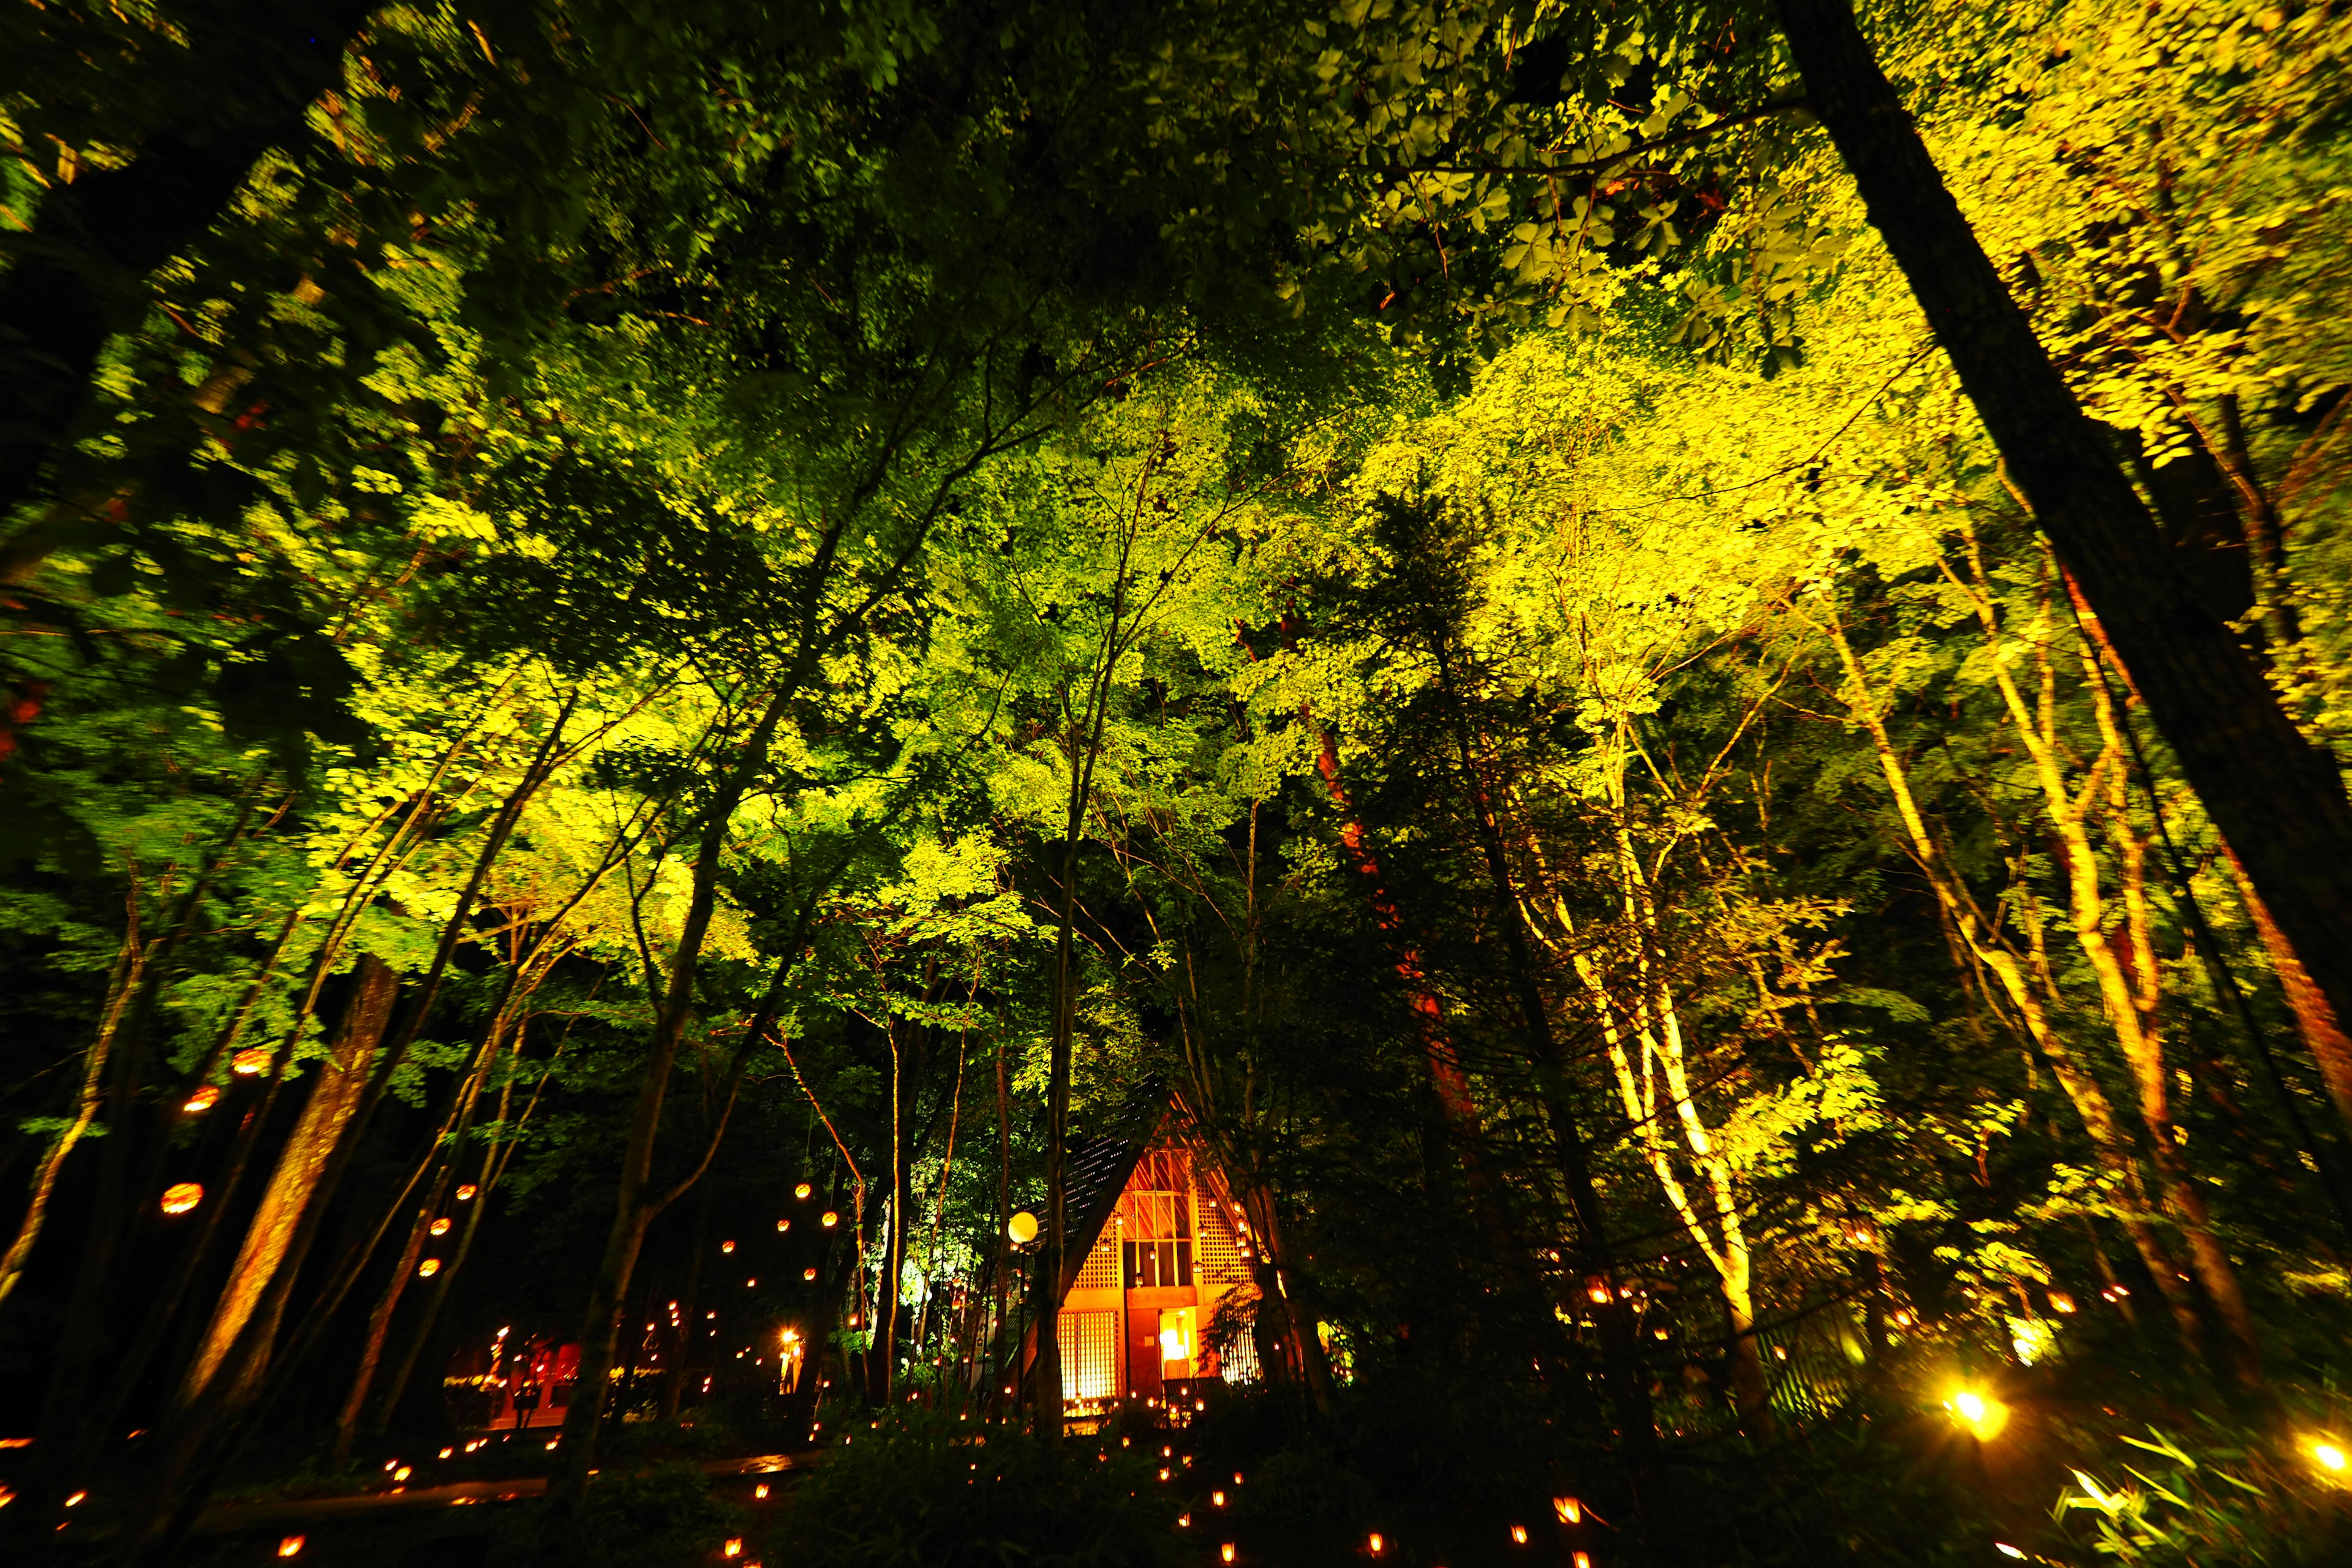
(1156,1246)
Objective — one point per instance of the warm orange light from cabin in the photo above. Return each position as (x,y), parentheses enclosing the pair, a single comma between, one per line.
(182,1196)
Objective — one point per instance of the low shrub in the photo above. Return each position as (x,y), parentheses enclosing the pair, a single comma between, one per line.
(928,1489)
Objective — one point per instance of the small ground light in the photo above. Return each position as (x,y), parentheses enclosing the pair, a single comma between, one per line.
(1581,1560)
(182,1196)
(1375,1543)
(761,1491)
(440,1226)
(734,1546)
(783,1224)
(1163,1472)
(726,1246)
(466,1193)
(75,1501)
(1983,1416)
(2330,1457)
(1519,1535)
(801,1190)
(205,1097)
(291,1546)
(1216,1500)
(1184,1522)
(1225,1553)
(751,1284)
(2006,1550)
(808,1273)
(429,1268)
(248,1062)
(1570,1512)
(402,1474)
(447,1452)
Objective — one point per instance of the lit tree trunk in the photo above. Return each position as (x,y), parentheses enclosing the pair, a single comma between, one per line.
(2117,959)
(2277,798)
(633,1208)
(335,1094)
(404,1269)
(121,987)
(2082,1088)
(2316,1018)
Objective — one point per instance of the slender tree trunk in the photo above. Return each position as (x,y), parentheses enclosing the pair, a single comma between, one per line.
(2277,798)
(2082,1087)
(631,1212)
(486,1182)
(2117,957)
(121,987)
(420,1230)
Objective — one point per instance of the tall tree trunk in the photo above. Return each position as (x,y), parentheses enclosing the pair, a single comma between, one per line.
(120,987)
(599,1330)
(2123,961)
(2278,799)
(1975,931)
(335,1093)
(2316,1018)
(452,1131)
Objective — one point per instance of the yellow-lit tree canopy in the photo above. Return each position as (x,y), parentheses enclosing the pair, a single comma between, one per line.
(1660,690)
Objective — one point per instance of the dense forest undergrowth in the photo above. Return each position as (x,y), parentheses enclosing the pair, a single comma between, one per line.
(1671,679)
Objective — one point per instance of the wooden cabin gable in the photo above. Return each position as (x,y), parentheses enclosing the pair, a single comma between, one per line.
(1163,1260)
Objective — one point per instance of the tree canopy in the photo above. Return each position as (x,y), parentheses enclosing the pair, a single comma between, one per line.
(1673,677)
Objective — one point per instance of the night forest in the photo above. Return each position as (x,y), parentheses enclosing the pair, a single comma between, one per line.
(1644,701)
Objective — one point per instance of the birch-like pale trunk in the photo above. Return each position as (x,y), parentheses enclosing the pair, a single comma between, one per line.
(2118,945)
(2026,998)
